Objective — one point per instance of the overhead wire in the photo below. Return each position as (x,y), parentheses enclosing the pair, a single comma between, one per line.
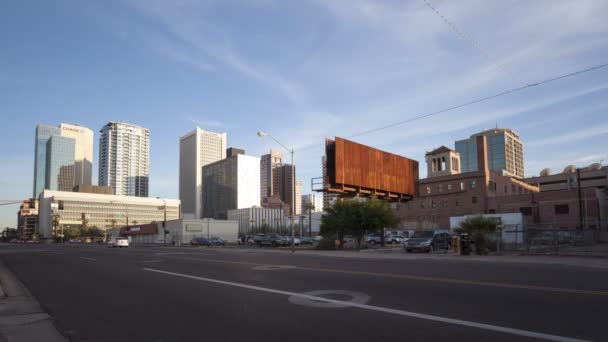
(462,105)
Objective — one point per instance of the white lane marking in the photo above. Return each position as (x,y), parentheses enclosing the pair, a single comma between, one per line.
(273,267)
(356,297)
(150,261)
(88,258)
(454,321)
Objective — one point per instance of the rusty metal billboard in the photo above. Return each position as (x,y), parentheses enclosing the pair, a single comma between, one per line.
(359,170)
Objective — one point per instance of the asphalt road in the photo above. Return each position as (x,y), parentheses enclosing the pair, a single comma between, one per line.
(188,294)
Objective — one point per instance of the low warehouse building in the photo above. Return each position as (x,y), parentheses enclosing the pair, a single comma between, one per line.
(178,232)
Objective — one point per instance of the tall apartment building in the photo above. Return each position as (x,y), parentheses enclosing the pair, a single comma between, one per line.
(197,149)
(268,163)
(232,183)
(298,197)
(505,152)
(63,157)
(124,158)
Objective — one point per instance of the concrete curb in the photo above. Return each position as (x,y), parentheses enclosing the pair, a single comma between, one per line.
(21,317)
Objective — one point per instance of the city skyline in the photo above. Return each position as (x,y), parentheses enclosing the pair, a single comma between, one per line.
(182,75)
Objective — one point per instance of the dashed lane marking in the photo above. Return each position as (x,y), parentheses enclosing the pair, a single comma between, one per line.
(483,326)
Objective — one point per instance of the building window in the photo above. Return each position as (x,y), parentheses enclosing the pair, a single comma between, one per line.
(492,186)
(526,211)
(449,187)
(562,209)
(473,184)
(422,204)
(492,211)
(440,187)
(519,189)
(462,186)
(428,189)
(512,188)
(457,202)
(433,204)
(474,199)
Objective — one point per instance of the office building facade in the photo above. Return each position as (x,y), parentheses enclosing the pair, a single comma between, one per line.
(83,152)
(505,152)
(268,163)
(124,158)
(256,220)
(197,149)
(283,184)
(53,146)
(231,183)
(316,200)
(60,163)
(101,211)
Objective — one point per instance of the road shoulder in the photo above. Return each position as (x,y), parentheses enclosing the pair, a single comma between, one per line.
(21,317)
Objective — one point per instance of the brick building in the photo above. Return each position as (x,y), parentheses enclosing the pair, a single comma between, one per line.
(447,192)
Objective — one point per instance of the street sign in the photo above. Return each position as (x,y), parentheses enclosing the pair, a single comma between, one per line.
(119,215)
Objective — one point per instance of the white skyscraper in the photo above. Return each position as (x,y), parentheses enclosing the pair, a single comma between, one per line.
(124,158)
(197,149)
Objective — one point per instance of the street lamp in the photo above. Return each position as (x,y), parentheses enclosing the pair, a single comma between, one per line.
(262,134)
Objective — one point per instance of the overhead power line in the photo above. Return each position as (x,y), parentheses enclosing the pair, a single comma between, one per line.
(471,42)
(483,99)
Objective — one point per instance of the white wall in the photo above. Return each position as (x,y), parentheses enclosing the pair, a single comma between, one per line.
(510,221)
(248,181)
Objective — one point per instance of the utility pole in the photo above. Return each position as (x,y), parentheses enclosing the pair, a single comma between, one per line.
(580,202)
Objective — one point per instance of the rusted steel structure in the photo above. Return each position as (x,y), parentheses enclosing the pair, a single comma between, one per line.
(357,170)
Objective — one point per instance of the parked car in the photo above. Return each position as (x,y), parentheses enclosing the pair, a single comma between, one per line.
(271,239)
(394,239)
(120,242)
(373,239)
(33,241)
(217,241)
(428,241)
(200,241)
(305,240)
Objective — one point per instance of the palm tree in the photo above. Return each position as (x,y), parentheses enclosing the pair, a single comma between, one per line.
(310,207)
(113,222)
(56,218)
(135,222)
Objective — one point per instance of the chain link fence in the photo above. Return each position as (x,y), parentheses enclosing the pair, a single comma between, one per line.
(549,240)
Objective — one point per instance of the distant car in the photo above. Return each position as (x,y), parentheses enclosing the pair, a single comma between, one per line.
(14,241)
(271,239)
(428,241)
(394,239)
(33,241)
(373,239)
(200,241)
(217,241)
(305,240)
(75,241)
(120,242)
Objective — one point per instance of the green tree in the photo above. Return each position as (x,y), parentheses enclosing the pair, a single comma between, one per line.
(357,218)
(478,228)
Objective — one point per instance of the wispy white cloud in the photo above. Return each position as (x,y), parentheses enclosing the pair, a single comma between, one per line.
(572,136)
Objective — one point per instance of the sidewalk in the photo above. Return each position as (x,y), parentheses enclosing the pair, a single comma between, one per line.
(398,254)
(21,317)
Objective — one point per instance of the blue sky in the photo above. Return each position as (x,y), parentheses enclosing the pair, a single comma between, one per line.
(304,71)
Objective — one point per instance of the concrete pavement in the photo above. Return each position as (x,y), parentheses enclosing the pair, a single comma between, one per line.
(177,294)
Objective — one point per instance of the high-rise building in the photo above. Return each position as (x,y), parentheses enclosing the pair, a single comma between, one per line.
(124,158)
(83,152)
(298,198)
(43,134)
(197,149)
(505,152)
(283,178)
(53,145)
(268,163)
(316,200)
(329,199)
(60,163)
(232,183)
